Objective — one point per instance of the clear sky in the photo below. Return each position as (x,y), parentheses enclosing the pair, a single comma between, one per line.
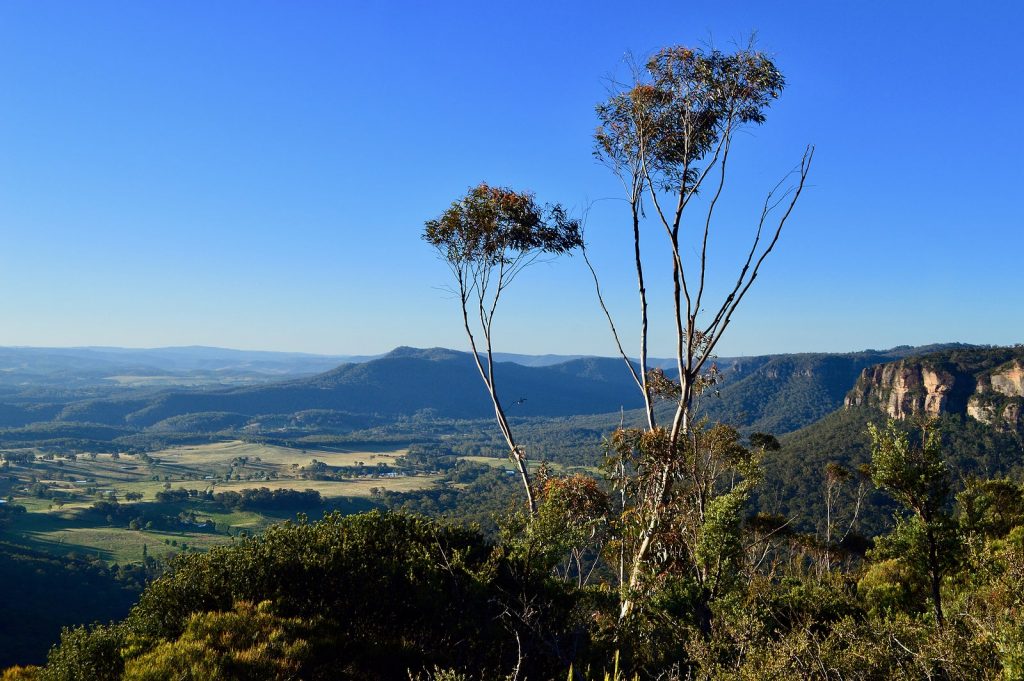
(256,174)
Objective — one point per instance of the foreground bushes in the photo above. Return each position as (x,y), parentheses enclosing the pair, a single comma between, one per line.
(389,595)
(368,596)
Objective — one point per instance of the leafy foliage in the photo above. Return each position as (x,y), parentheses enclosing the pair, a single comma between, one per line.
(247,642)
(367,596)
(494,226)
(678,115)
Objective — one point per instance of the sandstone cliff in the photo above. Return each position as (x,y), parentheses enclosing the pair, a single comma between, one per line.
(997,399)
(986,384)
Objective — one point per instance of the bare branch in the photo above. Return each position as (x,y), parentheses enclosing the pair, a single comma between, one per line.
(608,316)
(734,298)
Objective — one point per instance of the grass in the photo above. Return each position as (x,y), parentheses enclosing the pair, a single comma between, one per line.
(495,462)
(68,527)
(64,532)
(118,545)
(224,452)
(355,487)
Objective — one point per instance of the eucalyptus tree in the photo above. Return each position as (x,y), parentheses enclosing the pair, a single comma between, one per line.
(487,238)
(668,136)
(915,475)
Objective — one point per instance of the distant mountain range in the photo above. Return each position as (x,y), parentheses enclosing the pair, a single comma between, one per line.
(405,382)
(563,408)
(193,365)
(772,393)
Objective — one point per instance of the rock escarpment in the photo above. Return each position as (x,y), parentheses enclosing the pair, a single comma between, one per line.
(904,388)
(999,397)
(986,384)
(1009,380)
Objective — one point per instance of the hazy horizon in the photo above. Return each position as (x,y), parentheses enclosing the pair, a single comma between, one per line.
(342,355)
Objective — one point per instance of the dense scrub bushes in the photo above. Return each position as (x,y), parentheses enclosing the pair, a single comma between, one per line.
(381,595)
(369,597)
(389,595)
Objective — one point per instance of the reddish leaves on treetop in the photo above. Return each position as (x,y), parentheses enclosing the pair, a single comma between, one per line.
(492,224)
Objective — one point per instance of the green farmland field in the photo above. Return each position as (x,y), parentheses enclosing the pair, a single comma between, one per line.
(59,493)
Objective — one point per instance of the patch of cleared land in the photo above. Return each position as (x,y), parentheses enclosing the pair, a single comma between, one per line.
(224,452)
(495,462)
(58,493)
(355,487)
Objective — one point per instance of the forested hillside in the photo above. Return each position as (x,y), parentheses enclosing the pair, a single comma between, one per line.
(779,394)
(44,592)
(774,394)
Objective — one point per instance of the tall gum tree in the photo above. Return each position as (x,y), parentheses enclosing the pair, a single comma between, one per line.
(487,238)
(667,136)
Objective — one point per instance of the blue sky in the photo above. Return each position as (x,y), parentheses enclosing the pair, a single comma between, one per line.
(257,174)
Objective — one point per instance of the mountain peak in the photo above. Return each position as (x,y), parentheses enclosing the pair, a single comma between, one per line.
(431,354)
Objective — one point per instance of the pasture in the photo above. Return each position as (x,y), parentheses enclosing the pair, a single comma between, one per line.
(222,453)
(59,493)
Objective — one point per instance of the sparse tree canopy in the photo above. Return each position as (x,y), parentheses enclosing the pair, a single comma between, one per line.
(687,104)
(667,136)
(487,238)
(499,227)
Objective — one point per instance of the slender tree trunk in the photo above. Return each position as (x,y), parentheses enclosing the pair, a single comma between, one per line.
(648,400)
(506,431)
(935,573)
(646,537)
(680,426)
(517,453)
(704,615)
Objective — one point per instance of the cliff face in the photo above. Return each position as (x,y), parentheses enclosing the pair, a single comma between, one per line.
(906,388)
(986,384)
(998,397)
(1010,380)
